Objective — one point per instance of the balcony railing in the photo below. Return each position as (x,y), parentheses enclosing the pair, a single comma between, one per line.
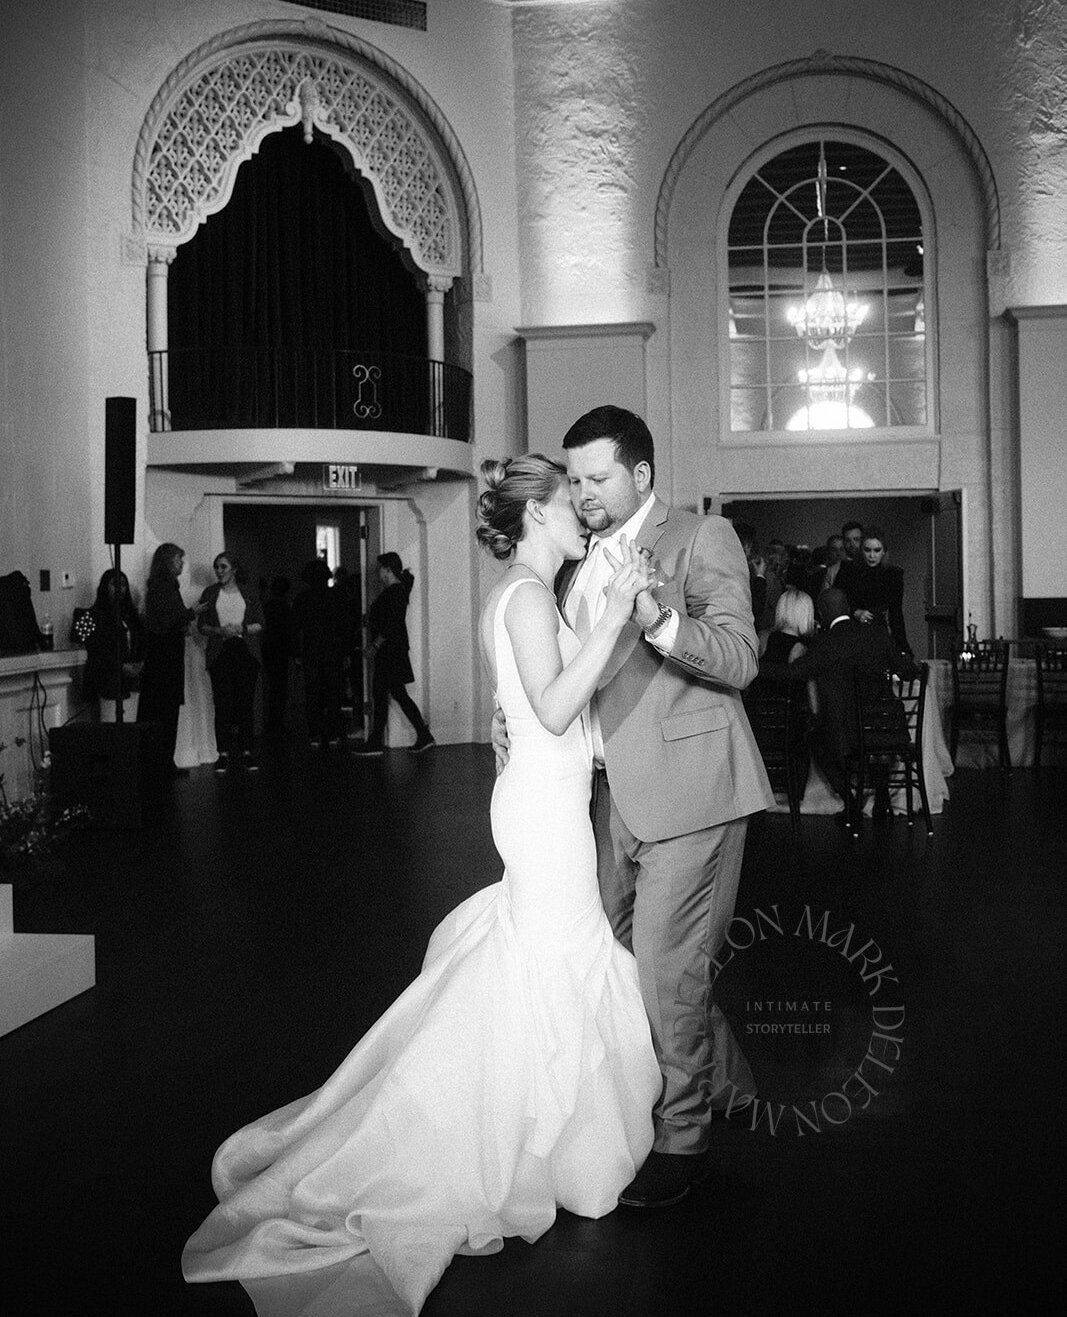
(297,388)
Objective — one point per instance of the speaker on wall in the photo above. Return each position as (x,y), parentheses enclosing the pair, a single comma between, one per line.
(120,460)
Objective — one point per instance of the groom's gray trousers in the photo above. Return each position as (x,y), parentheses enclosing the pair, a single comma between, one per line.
(670,902)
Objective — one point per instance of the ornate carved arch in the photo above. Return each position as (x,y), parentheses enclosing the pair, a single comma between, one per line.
(819,65)
(216,107)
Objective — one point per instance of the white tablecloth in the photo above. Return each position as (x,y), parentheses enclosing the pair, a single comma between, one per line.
(1022,704)
(819,798)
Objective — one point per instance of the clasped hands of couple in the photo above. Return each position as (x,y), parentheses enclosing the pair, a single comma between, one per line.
(628,593)
(628,597)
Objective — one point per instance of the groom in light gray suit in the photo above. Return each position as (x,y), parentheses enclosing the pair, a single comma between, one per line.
(680,773)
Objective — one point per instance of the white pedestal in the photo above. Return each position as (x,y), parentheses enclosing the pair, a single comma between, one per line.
(33,687)
(39,970)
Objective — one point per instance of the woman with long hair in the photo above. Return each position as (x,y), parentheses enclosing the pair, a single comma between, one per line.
(388,633)
(516,1075)
(875,588)
(232,620)
(114,644)
(166,620)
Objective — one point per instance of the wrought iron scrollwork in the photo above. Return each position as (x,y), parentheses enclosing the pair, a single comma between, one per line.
(367,378)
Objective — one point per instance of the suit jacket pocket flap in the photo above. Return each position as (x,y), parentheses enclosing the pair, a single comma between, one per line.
(695,721)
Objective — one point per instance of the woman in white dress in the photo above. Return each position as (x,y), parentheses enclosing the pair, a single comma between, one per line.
(516,1074)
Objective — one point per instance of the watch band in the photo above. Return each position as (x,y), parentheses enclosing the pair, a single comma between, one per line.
(662,618)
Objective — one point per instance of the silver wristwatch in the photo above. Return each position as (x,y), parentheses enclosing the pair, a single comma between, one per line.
(662,618)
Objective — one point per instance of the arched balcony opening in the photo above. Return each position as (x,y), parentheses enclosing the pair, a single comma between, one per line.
(294,307)
(333,366)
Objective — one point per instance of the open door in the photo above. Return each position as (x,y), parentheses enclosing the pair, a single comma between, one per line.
(944,579)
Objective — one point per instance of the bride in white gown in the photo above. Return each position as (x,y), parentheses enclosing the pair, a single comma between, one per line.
(516,1074)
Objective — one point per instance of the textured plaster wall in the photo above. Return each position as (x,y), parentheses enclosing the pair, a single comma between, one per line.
(46,470)
(605,91)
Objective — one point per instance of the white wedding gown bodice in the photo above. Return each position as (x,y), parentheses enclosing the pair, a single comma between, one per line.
(515,1075)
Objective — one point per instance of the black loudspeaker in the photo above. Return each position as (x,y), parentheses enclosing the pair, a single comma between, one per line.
(120,460)
(111,768)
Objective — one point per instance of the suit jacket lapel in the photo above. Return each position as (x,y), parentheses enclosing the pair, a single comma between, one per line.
(653,525)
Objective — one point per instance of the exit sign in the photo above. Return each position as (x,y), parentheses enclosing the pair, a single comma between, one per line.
(340,477)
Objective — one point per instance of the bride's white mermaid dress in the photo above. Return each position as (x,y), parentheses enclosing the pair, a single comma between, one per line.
(514,1075)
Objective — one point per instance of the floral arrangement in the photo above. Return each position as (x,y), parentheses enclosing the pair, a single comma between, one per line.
(29,828)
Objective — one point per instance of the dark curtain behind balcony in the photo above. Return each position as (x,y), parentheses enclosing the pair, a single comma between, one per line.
(282,293)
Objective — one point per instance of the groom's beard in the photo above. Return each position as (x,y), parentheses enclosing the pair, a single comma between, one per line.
(597,523)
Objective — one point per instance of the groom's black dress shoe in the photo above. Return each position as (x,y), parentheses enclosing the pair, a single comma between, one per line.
(665,1178)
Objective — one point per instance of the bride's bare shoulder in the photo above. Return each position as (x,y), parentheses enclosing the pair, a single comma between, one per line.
(529,598)
(492,599)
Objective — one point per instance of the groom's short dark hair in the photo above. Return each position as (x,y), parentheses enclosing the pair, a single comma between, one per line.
(633,442)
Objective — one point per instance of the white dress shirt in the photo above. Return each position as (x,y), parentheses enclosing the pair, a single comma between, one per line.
(585,602)
(230,607)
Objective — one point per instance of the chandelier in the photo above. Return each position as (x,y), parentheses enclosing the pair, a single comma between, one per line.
(827,321)
(831,389)
(830,374)
(825,318)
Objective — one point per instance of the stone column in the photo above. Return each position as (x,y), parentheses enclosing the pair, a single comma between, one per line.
(436,287)
(1041,345)
(159,259)
(567,365)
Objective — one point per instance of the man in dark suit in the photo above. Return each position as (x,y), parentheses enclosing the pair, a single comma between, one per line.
(843,648)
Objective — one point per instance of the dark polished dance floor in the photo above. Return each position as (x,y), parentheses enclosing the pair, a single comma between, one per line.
(244,945)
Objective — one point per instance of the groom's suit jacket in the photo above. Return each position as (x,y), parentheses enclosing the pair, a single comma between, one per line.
(678,749)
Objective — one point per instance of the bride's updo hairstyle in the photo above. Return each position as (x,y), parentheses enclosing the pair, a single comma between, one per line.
(511,483)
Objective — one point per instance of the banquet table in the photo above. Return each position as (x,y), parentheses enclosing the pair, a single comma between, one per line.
(820,798)
(1022,706)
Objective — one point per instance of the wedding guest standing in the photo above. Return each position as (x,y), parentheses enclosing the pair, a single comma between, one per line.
(166,620)
(875,589)
(232,620)
(277,651)
(852,535)
(775,562)
(757,567)
(388,633)
(114,644)
(320,616)
(348,585)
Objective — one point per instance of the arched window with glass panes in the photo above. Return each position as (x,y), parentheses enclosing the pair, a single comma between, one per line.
(828,296)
